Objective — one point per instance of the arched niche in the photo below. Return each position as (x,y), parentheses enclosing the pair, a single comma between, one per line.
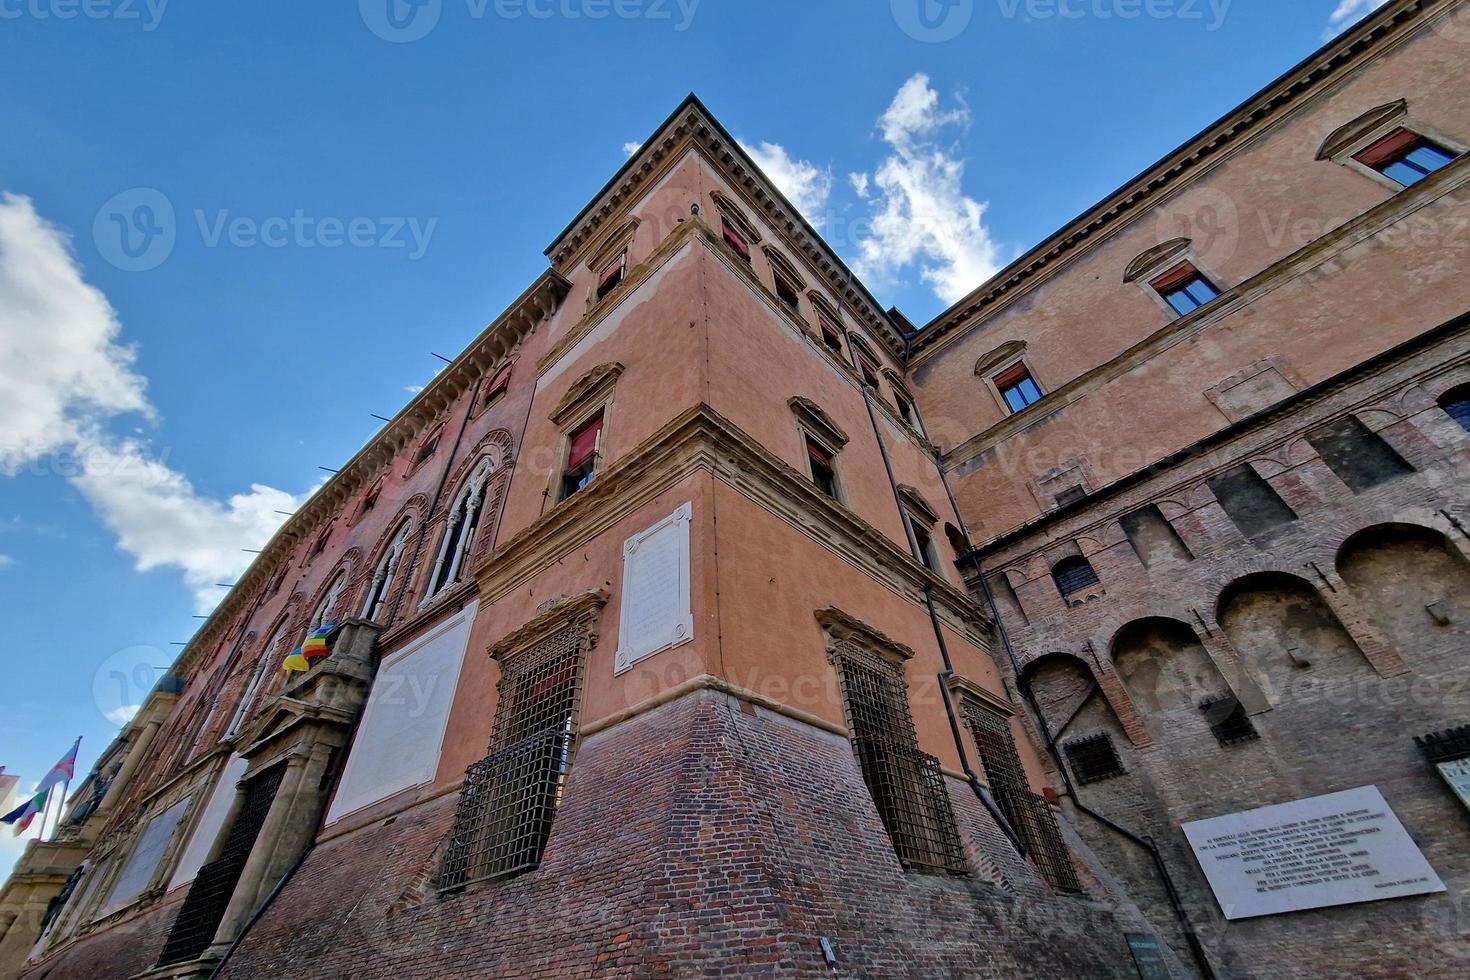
(1169,674)
(1285,631)
(1413,584)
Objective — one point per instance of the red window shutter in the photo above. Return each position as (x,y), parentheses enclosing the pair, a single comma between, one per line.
(584,443)
(1386,150)
(500,382)
(1012,377)
(1175,277)
(829,331)
(613,271)
(737,241)
(818,454)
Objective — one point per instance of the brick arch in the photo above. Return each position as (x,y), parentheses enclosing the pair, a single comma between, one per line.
(1283,626)
(1063,683)
(1167,671)
(346,565)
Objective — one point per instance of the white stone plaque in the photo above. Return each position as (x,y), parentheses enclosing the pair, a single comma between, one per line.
(1457,774)
(1338,849)
(655,612)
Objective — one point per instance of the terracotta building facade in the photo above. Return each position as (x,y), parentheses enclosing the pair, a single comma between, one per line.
(704,616)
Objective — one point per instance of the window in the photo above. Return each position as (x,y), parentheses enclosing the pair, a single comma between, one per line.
(1071,495)
(1184,289)
(322,615)
(1456,404)
(736,240)
(1356,454)
(612,275)
(831,336)
(427,448)
(320,544)
(906,784)
(870,373)
(787,293)
(496,389)
(381,588)
(371,500)
(924,541)
(268,661)
(920,519)
(462,525)
(1228,721)
(1405,157)
(1018,388)
(1094,758)
(1074,575)
(1251,503)
(1029,815)
(582,454)
(907,410)
(510,797)
(823,467)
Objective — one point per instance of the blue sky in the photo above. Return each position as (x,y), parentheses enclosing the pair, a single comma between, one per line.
(346,198)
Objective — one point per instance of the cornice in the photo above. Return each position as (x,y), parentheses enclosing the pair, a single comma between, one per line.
(582,611)
(494,344)
(1309,78)
(692,126)
(702,439)
(842,627)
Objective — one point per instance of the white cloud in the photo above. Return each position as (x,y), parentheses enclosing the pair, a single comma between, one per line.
(859,184)
(921,213)
(413,389)
(63,377)
(1348,13)
(805,185)
(6,561)
(123,714)
(61,368)
(631,148)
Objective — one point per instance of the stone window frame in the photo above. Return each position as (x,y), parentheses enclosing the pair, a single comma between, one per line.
(387,568)
(730,213)
(472,492)
(824,312)
(268,657)
(1347,141)
(1151,264)
(784,268)
(590,395)
(619,240)
(1001,360)
(916,512)
(495,389)
(901,390)
(867,361)
(813,424)
(427,448)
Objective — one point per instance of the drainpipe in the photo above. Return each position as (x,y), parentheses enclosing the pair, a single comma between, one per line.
(944,677)
(1144,841)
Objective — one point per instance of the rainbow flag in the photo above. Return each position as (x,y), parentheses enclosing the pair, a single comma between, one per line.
(316,644)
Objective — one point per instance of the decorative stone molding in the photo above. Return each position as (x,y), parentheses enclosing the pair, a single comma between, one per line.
(810,415)
(731,212)
(972,696)
(591,387)
(915,501)
(580,612)
(1154,259)
(1344,138)
(786,267)
(617,240)
(845,630)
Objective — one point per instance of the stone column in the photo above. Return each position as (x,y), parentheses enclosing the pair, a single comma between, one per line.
(125,774)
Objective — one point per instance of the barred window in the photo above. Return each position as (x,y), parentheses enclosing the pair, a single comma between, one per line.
(906,784)
(1074,575)
(1228,720)
(1094,758)
(1029,815)
(510,797)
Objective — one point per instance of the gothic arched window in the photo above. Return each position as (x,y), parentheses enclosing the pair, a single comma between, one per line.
(460,530)
(385,575)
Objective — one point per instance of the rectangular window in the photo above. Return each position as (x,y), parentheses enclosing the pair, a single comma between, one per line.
(823,467)
(611,276)
(497,387)
(870,373)
(582,454)
(1018,388)
(510,797)
(787,293)
(831,336)
(1228,721)
(736,241)
(1356,454)
(1184,289)
(429,447)
(1029,815)
(1249,501)
(924,541)
(1405,157)
(906,410)
(906,784)
(1094,758)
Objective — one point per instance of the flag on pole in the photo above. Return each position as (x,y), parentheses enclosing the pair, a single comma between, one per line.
(22,815)
(63,771)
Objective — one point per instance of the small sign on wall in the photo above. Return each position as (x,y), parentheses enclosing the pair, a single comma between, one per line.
(1457,774)
(655,614)
(1338,849)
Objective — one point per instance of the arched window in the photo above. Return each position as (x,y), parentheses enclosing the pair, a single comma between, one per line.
(247,700)
(1074,575)
(385,575)
(322,615)
(1456,403)
(459,533)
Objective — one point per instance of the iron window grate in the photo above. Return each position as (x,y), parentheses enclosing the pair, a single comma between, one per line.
(906,784)
(1228,720)
(1029,815)
(1074,575)
(1446,746)
(1094,758)
(505,811)
(209,896)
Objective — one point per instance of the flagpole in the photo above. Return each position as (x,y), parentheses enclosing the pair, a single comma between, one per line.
(60,811)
